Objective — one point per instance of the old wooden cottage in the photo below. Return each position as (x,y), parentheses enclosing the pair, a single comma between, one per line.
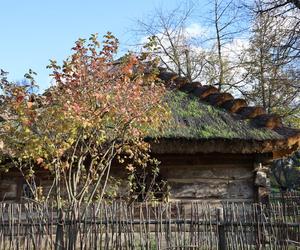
(216,149)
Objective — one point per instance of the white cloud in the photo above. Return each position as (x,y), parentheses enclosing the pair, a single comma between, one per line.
(195,30)
(235,48)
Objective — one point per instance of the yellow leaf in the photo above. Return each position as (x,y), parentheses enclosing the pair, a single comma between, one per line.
(39,160)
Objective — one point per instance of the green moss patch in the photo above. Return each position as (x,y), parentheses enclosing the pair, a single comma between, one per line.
(193,119)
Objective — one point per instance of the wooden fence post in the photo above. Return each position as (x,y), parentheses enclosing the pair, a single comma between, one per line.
(59,241)
(221,230)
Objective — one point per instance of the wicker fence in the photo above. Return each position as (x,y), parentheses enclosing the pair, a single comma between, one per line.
(286,198)
(151,226)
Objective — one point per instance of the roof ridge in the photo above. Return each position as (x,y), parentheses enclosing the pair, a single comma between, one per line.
(211,95)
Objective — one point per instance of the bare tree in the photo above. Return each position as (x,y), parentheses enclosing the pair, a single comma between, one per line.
(222,24)
(272,76)
(286,9)
(280,4)
(226,27)
(177,49)
(205,57)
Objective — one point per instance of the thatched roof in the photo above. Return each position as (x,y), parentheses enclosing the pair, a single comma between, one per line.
(206,120)
(194,119)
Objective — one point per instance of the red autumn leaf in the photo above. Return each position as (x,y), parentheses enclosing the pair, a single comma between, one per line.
(20,98)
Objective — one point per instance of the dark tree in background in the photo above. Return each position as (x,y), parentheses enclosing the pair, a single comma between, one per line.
(286,173)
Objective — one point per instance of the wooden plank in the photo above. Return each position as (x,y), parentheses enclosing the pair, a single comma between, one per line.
(220,189)
(225,171)
(208,159)
(8,189)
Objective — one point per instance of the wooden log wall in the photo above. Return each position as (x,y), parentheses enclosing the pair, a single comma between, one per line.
(208,178)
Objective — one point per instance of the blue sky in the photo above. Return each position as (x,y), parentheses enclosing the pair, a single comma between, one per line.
(34,31)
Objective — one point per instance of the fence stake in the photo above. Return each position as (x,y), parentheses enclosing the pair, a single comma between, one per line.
(221,230)
(59,245)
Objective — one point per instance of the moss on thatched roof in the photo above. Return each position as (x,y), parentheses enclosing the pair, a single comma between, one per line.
(206,120)
(199,127)
(193,119)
